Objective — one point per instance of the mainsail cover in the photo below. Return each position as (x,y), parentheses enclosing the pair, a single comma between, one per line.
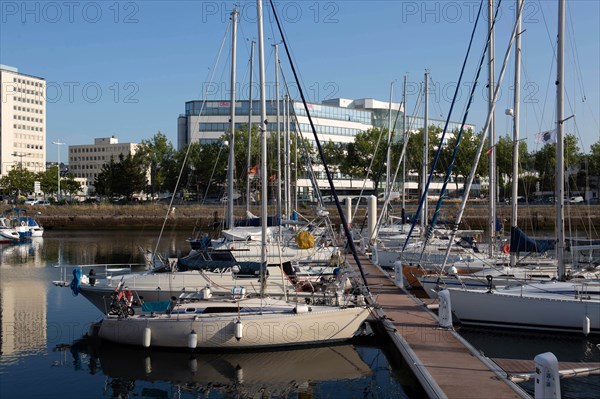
(520,242)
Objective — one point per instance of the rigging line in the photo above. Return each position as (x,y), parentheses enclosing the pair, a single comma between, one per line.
(402,154)
(575,52)
(322,155)
(469,181)
(185,158)
(302,141)
(437,155)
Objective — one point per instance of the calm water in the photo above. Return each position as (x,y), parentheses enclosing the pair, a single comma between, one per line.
(43,356)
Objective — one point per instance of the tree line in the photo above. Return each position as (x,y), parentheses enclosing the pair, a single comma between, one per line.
(200,169)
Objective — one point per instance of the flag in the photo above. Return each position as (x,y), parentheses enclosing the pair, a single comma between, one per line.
(547,137)
(252,171)
(488,152)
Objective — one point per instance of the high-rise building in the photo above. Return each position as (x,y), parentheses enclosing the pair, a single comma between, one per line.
(22,121)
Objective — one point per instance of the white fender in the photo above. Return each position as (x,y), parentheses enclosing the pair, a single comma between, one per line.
(192,340)
(239,327)
(147,337)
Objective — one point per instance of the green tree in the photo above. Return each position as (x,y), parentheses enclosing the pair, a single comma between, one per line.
(465,156)
(18,181)
(364,153)
(504,161)
(157,154)
(544,162)
(49,180)
(126,177)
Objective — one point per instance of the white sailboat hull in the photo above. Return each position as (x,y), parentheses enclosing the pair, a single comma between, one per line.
(509,309)
(281,328)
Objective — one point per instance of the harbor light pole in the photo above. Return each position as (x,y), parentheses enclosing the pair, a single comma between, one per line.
(58,144)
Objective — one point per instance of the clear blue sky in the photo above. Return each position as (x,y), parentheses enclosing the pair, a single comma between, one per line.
(127,68)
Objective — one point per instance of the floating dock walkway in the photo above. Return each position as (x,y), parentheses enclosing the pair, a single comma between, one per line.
(445,364)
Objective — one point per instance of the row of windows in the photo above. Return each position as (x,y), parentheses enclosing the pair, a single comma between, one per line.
(27,91)
(27,82)
(28,118)
(82,167)
(35,146)
(27,127)
(342,114)
(225,127)
(89,176)
(30,137)
(334,130)
(27,109)
(223,108)
(123,149)
(94,158)
(27,100)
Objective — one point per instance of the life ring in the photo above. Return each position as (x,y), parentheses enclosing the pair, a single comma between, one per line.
(23,223)
(506,248)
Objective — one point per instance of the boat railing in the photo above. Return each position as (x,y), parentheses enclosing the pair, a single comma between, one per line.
(99,271)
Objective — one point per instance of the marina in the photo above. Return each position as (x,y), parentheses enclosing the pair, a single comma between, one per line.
(43,333)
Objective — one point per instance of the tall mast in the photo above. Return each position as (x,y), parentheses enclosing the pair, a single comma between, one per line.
(516,105)
(405,137)
(277,120)
(231,164)
(560,162)
(492,134)
(249,162)
(286,156)
(425,156)
(263,135)
(388,177)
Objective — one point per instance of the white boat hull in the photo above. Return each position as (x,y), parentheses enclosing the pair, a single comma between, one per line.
(219,331)
(525,312)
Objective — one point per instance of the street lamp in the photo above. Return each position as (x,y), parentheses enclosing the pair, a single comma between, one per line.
(58,144)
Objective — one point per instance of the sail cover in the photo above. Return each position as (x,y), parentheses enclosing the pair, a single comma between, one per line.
(519,242)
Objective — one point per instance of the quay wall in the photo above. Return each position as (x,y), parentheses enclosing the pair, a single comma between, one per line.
(532,218)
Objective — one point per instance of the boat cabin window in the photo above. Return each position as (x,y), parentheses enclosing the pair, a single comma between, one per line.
(220,309)
(222,255)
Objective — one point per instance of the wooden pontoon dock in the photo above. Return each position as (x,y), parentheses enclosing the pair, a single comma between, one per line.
(445,364)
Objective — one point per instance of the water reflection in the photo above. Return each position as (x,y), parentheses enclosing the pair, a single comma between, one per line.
(22,300)
(241,374)
(27,252)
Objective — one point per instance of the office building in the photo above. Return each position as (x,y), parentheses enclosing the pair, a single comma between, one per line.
(22,121)
(86,161)
(338,120)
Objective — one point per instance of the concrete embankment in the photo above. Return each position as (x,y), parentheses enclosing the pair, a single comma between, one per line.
(201,217)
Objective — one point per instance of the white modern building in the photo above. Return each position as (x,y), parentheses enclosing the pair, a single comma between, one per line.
(338,120)
(86,161)
(22,121)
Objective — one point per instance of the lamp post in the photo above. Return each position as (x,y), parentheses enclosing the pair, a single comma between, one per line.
(58,144)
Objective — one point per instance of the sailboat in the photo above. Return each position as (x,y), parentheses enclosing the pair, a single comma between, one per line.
(557,305)
(242,323)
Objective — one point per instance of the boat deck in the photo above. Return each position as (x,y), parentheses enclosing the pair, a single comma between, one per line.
(444,363)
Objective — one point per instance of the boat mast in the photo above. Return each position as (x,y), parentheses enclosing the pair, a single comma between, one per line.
(515,115)
(263,138)
(404,138)
(231,165)
(249,162)
(278,132)
(286,156)
(388,166)
(492,134)
(425,156)
(560,162)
